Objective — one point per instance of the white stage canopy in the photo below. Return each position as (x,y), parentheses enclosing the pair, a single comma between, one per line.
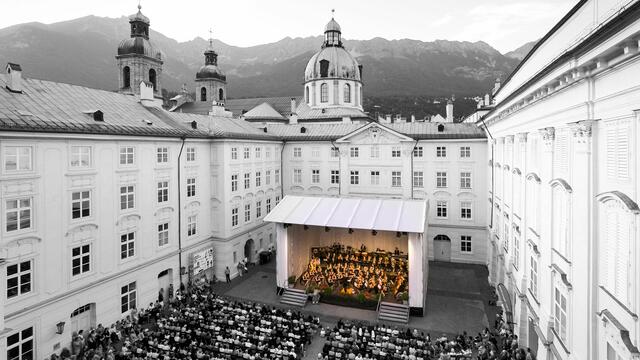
(353,213)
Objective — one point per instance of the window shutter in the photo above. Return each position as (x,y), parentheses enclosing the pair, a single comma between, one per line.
(623,152)
(622,256)
(610,246)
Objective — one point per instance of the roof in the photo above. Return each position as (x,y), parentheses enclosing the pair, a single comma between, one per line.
(46,106)
(306,113)
(415,130)
(352,213)
(280,104)
(263,111)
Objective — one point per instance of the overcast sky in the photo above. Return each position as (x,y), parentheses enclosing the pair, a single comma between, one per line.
(504,24)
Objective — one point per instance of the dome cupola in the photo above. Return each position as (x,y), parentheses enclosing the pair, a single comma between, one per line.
(139,43)
(210,68)
(211,82)
(332,34)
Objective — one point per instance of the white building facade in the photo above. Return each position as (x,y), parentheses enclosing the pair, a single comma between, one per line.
(564,187)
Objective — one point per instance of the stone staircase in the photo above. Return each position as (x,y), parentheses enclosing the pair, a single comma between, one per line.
(294,297)
(393,312)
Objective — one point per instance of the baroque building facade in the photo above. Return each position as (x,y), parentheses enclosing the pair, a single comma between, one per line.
(564,187)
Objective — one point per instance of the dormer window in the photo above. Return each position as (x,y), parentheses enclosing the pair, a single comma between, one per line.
(324,68)
(97,115)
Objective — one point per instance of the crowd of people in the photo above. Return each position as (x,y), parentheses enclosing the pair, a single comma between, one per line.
(198,325)
(352,271)
(362,341)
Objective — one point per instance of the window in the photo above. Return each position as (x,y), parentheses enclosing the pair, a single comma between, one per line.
(315,152)
(20,345)
(533,276)
(506,238)
(354,152)
(126,77)
(335,176)
(128,297)
(127,197)
(347,93)
(80,156)
(258,178)
(127,155)
(315,176)
(560,219)
(234,153)
(324,68)
(203,94)
(516,251)
(417,151)
(465,151)
(192,225)
(335,152)
(247,180)
(19,279)
(162,155)
(246,153)
(163,191)
(268,205)
(152,78)
(418,179)
(560,315)
(441,179)
(18,214)
(234,216)
(465,243)
(191,187)
(441,209)
(191,154)
(465,180)
(234,182)
(297,152)
(396,178)
(267,152)
(465,210)
(247,212)
(163,234)
(324,93)
(297,176)
(618,237)
(258,152)
(220,95)
(267,177)
(258,209)
(441,151)
(277,199)
(17,158)
(375,178)
(355,177)
(80,204)
(81,260)
(395,152)
(306,94)
(375,151)
(276,175)
(127,245)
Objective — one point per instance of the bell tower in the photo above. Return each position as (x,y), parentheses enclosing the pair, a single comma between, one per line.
(211,82)
(138,59)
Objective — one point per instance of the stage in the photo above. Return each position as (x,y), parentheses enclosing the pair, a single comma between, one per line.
(353,251)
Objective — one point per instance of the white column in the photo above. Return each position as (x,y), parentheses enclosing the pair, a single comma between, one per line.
(416,271)
(3,331)
(282,263)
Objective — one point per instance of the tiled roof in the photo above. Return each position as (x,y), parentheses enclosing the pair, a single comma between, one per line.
(263,111)
(280,104)
(222,127)
(305,113)
(194,107)
(46,106)
(418,131)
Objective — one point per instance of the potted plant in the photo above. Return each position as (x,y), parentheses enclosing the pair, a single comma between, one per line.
(361,298)
(404,296)
(291,280)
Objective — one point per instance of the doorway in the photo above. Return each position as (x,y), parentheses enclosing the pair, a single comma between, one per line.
(165,279)
(83,318)
(249,250)
(533,337)
(442,248)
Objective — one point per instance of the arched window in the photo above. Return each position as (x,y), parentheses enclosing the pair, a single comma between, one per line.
(221,95)
(152,78)
(126,77)
(324,93)
(306,94)
(203,94)
(324,68)
(441,237)
(560,192)
(347,93)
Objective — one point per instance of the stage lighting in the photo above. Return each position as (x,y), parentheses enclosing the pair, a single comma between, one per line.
(374,233)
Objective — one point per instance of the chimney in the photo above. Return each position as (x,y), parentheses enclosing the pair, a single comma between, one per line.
(496,86)
(388,119)
(14,75)
(293,105)
(146,94)
(413,118)
(449,111)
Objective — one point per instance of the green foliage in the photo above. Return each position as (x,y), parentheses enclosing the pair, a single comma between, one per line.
(292,279)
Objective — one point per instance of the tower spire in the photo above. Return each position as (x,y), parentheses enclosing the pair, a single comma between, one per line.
(210,38)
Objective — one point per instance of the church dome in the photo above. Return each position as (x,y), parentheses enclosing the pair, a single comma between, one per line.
(139,17)
(210,71)
(139,46)
(332,25)
(339,64)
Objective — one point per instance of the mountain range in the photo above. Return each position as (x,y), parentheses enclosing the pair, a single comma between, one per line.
(81,51)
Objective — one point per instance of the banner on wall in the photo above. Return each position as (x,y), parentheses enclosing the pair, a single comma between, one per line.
(201,261)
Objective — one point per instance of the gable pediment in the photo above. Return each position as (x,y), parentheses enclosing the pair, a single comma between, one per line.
(374,133)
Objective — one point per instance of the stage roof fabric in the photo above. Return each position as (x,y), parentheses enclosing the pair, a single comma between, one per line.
(352,212)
